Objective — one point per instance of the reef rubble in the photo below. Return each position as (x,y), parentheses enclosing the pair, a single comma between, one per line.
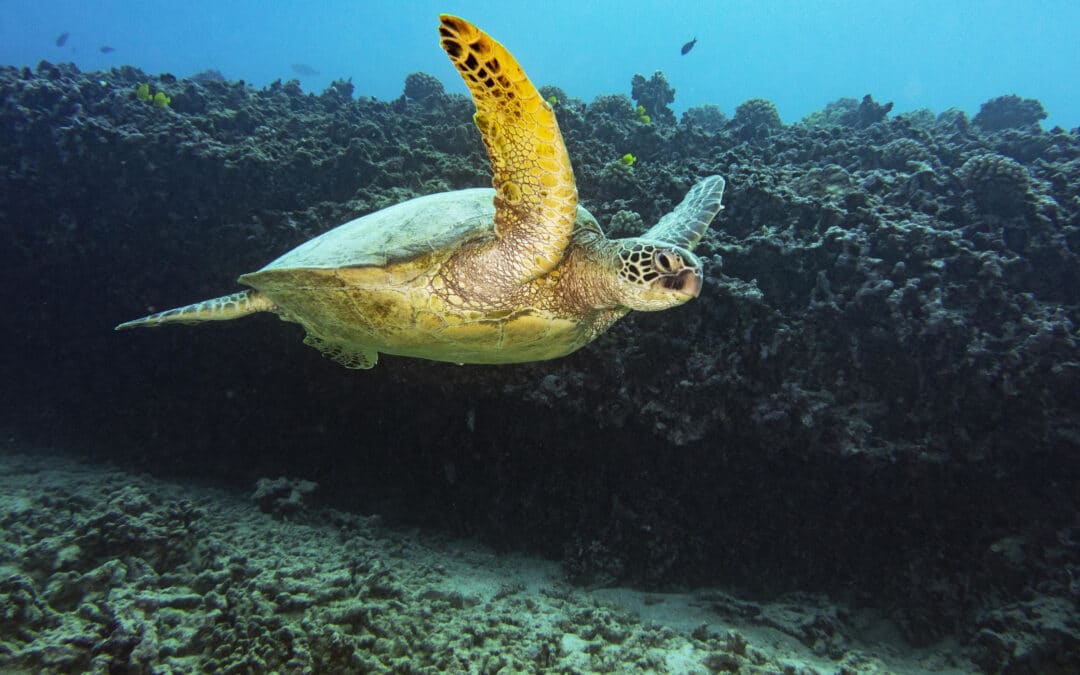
(106,571)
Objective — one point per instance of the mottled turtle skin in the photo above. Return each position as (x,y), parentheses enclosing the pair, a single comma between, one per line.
(511,274)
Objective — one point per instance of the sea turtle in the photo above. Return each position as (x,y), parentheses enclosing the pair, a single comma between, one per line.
(505,275)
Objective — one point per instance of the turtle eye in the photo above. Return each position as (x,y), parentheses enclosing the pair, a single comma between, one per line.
(665,261)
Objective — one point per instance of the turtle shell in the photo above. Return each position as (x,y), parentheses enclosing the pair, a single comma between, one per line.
(437,223)
(364,287)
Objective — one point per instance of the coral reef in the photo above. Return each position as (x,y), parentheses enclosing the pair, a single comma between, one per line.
(1009,112)
(902,153)
(756,118)
(889,347)
(847,112)
(654,95)
(708,117)
(421,87)
(998,185)
(625,224)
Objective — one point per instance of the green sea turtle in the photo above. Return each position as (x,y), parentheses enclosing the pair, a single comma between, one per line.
(505,275)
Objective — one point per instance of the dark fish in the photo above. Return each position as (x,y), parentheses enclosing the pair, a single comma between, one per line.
(61,39)
(304,69)
(688,46)
(106,49)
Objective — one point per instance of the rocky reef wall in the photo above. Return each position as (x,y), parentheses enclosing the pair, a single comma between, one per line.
(876,394)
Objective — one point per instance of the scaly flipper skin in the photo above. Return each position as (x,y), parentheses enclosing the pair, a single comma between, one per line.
(535,193)
(225,308)
(686,225)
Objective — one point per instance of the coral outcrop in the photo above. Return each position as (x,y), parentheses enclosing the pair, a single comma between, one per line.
(756,118)
(1009,112)
(654,94)
(421,87)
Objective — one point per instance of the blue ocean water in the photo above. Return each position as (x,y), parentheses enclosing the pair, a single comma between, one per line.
(799,54)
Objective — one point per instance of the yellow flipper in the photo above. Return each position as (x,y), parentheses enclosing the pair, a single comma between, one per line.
(535,194)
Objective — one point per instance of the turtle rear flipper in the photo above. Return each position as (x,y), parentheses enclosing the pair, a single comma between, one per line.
(686,225)
(225,308)
(349,355)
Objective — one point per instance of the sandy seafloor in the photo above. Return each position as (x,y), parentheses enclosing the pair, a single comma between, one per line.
(103,570)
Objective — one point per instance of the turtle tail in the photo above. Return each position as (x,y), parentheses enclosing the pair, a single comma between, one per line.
(224,308)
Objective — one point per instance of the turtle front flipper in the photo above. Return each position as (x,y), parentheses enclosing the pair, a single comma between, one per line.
(224,308)
(535,194)
(686,225)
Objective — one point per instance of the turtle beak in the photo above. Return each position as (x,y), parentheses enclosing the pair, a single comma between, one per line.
(687,282)
(691,279)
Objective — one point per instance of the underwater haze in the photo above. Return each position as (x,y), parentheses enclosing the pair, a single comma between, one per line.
(427,426)
(800,55)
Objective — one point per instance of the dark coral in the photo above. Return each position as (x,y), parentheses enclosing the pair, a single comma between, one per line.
(208,75)
(870,112)
(889,349)
(548,92)
(998,185)
(847,112)
(708,117)
(899,153)
(756,118)
(1009,112)
(654,94)
(421,87)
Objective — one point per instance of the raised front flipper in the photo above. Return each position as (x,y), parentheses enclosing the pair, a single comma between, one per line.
(535,194)
(686,225)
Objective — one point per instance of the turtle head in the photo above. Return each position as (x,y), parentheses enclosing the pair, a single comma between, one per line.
(656,275)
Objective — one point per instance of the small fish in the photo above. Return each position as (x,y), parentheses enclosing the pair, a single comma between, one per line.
(688,46)
(106,49)
(61,39)
(304,69)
